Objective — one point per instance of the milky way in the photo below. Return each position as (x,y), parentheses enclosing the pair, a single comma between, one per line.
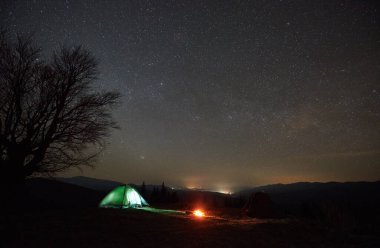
(219,94)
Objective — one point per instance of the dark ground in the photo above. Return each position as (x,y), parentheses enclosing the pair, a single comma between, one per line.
(53,214)
(136,228)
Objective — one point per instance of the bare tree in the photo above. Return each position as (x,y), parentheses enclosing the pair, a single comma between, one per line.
(51,119)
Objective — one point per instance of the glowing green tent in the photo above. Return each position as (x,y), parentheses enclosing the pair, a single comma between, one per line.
(123,196)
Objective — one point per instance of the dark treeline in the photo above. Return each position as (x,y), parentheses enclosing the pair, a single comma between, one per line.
(162,194)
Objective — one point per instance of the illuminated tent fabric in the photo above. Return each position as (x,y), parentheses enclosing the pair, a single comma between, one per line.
(123,196)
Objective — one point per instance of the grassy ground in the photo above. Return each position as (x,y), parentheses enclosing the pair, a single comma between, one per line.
(135,228)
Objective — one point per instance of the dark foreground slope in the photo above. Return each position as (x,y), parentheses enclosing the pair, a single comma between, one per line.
(357,200)
(135,228)
(44,193)
(55,214)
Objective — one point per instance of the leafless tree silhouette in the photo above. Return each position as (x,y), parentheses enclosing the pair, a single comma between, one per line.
(51,119)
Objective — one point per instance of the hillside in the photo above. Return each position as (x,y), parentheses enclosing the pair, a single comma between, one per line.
(46,193)
(59,214)
(296,193)
(91,183)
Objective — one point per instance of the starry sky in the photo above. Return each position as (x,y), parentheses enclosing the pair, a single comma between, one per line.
(223,94)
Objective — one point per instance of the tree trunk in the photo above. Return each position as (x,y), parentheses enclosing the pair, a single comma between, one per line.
(12,185)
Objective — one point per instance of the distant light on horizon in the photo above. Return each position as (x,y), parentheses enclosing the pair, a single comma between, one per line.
(217,189)
(225,192)
(194,188)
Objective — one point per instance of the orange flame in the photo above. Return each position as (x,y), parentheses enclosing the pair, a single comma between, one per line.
(199,213)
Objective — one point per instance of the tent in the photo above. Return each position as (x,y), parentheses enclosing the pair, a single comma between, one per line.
(123,196)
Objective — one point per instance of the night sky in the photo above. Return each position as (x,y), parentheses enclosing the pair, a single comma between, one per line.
(221,94)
